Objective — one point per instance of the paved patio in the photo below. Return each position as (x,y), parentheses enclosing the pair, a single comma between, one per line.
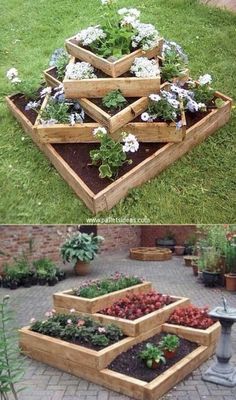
(46,383)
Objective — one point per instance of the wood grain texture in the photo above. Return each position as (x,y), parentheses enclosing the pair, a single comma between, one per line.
(204,337)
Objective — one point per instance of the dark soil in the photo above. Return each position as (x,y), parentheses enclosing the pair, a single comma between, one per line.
(77,157)
(128,363)
(114,111)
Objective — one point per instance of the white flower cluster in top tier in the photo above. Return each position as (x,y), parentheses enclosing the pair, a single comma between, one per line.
(80,70)
(130,143)
(12,75)
(90,35)
(144,68)
(147,36)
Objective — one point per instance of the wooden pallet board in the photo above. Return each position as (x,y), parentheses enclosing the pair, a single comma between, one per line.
(204,337)
(66,301)
(113,69)
(147,169)
(150,254)
(67,359)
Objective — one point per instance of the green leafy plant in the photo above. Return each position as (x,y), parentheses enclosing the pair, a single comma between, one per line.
(61,64)
(202,93)
(114,100)
(170,343)
(81,247)
(172,66)
(152,354)
(161,107)
(55,110)
(209,260)
(11,366)
(231,255)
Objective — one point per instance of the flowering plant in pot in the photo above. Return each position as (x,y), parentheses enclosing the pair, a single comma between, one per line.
(152,356)
(231,263)
(81,249)
(169,345)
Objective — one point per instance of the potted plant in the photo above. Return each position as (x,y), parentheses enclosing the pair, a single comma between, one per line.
(231,263)
(169,344)
(168,241)
(152,356)
(81,249)
(179,250)
(190,244)
(52,278)
(209,264)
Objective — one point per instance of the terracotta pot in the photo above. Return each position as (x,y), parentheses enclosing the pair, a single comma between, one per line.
(179,250)
(169,354)
(230,282)
(82,268)
(195,269)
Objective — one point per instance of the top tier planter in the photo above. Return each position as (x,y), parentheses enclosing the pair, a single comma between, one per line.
(111,68)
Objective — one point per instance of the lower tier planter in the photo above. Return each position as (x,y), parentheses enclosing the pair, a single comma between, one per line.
(65,357)
(115,68)
(205,337)
(155,158)
(145,323)
(150,254)
(66,301)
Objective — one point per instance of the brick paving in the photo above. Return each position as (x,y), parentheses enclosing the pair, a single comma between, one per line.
(46,383)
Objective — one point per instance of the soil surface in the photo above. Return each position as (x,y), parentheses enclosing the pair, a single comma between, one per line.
(78,158)
(128,363)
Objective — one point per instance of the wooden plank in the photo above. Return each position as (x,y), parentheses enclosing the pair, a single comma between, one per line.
(113,69)
(67,301)
(204,337)
(145,323)
(50,79)
(87,357)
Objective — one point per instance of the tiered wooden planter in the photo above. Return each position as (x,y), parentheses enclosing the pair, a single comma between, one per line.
(94,366)
(150,254)
(110,68)
(66,301)
(130,328)
(130,86)
(147,169)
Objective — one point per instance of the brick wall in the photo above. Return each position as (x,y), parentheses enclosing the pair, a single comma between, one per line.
(47,239)
(151,232)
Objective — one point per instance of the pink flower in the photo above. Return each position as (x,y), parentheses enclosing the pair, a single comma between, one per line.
(32,320)
(48,314)
(53,311)
(69,321)
(72,310)
(81,322)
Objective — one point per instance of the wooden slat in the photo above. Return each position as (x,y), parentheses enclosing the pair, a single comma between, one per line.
(204,337)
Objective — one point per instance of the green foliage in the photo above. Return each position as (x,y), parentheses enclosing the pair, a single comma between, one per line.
(172,66)
(109,157)
(29,88)
(231,256)
(104,286)
(209,260)
(45,268)
(152,353)
(169,342)
(55,110)
(202,93)
(163,109)
(81,329)
(81,246)
(114,100)
(61,64)
(11,367)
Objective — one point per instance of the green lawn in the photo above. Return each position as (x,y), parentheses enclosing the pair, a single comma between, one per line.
(200,188)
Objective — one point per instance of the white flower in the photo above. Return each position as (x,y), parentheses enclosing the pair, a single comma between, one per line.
(12,73)
(105,2)
(131,12)
(205,79)
(130,144)
(192,106)
(129,20)
(90,35)
(155,97)
(32,105)
(69,321)
(100,130)
(45,91)
(101,329)
(80,70)
(49,122)
(72,310)
(72,119)
(174,103)
(32,320)
(16,80)
(146,37)
(145,117)
(174,115)
(144,68)
(179,125)
(202,107)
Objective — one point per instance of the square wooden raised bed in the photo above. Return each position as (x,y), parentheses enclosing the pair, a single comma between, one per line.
(130,86)
(115,68)
(205,337)
(67,357)
(66,301)
(145,323)
(164,156)
(33,341)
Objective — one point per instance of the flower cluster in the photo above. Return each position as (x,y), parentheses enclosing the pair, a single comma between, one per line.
(135,306)
(80,70)
(172,47)
(144,68)
(90,35)
(164,106)
(130,143)
(129,16)
(146,37)
(189,101)
(12,75)
(194,317)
